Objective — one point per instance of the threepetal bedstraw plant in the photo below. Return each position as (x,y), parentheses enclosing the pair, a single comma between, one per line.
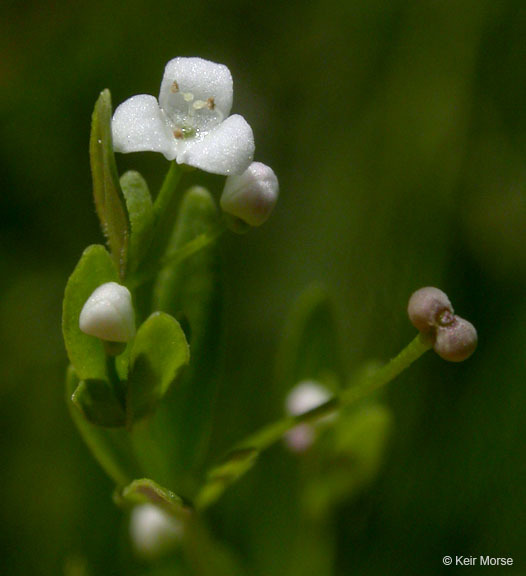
(141,324)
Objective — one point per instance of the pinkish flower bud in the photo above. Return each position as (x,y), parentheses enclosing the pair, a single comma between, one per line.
(429,308)
(430,311)
(456,341)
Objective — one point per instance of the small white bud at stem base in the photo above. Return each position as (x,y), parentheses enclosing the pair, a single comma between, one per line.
(108,314)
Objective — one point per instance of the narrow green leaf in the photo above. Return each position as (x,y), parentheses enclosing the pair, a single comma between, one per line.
(146,491)
(98,404)
(109,199)
(110,447)
(140,212)
(310,348)
(86,353)
(159,352)
(190,290)
(236,464)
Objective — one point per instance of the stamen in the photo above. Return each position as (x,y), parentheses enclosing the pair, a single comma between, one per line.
(174,88)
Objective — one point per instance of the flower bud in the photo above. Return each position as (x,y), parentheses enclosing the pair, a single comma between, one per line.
(430,311)
(456,341)
(153,531)
(428,308)
(306,396)
(252,195)
(108,314)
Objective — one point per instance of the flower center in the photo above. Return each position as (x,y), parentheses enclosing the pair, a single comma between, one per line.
(191,116)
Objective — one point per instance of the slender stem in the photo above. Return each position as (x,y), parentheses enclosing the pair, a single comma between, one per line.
(166,193)
(239,460)
(164,213)
(115,382)
(192,247)
(110,447)
(199,243)
(389,372)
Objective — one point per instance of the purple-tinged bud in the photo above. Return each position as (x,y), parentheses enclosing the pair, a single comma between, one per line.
(456,341)
(430,311)
(429,308)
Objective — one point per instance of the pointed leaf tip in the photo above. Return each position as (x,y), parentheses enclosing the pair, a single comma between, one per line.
(107,192)
(159,353)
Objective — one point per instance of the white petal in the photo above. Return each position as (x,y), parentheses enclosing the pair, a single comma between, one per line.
(139,125)
(202,80)
(252,195)
(228,149)
(108,314)
(306,396)
(153,531)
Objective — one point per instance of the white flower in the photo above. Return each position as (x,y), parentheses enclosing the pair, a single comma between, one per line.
(252,195)
(191,122)
(306,396)
(153,531)
(108,314)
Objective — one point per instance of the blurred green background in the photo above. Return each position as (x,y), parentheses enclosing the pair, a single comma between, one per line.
(398,132)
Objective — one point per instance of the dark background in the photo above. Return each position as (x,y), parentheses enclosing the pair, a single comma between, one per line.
(397,130)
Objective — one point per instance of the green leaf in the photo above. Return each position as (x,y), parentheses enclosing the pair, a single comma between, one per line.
(189,288)
(236,464)
(110,447)
(109,199)
(310,349)
(86,353)
(146,491)
(98,404)
(140,212)
(158,354)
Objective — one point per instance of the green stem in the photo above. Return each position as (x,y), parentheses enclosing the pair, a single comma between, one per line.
(164,213)
(192,247)
(177,256)
(166,194)
(239,460)
(111,448)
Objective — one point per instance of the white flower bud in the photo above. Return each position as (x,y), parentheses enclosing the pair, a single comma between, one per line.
(251,196)
(306,396)
(108,314)
(153,531)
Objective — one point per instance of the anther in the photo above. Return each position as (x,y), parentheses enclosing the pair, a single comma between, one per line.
(188,96)
(174,88)
(211,103)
